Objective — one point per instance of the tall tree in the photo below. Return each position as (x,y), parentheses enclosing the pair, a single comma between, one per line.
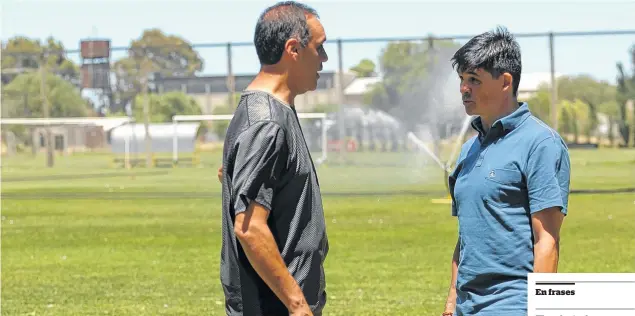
(575,118)
(591,92)
(22,97)
(540,102)
(22,54)
(626,92)
(164,106)
(585,97)
(365,68)
(154,54)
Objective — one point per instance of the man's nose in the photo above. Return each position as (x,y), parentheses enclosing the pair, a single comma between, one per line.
(464,88)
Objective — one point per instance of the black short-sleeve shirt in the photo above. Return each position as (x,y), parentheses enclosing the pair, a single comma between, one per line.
(266,159)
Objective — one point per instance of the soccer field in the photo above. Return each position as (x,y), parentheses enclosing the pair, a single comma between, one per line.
(87,239)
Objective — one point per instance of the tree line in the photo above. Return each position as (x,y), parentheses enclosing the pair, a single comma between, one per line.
(590,111)
(413,86)
(151,55)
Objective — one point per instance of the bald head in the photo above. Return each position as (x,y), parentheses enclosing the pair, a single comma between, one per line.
(279,23)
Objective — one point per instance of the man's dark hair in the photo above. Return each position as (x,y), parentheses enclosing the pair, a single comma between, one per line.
(276,25)
(496,52)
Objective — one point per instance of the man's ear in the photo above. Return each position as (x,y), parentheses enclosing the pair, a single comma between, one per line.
(507,81)
(292,47)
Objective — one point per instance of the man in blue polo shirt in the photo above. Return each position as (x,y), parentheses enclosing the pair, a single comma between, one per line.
(509,188)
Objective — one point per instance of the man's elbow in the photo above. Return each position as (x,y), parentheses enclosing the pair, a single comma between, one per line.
(246,231)
(241,230)
(548,242)
(251,226)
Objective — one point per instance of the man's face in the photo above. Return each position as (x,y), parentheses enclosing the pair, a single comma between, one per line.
(310,58)
(482,94)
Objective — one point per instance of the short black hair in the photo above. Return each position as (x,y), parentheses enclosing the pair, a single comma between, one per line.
(276,25)
(496,52)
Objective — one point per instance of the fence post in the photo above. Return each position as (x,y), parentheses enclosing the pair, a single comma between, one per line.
(46,110)
(231,84)
(340,117)
(554,87)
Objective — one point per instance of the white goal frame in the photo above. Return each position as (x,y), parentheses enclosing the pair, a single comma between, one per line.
(214,117)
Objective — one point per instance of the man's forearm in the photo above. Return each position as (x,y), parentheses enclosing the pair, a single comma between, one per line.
(263,254)
(455,265)
(450,302)
(546,254)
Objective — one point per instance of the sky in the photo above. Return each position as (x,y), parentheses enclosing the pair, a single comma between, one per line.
(216,21)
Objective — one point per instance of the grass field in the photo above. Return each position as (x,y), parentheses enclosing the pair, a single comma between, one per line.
(147,242)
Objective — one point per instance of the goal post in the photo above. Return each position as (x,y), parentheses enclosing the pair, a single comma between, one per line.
(227,117)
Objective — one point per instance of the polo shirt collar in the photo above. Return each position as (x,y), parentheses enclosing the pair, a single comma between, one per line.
(508,123)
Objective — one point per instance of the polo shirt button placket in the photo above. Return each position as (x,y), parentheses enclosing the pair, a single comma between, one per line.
(481,155)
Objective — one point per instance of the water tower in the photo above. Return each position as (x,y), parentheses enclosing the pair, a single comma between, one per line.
(95,73)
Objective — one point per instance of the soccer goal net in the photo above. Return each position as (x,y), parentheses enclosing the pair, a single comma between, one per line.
(211,136)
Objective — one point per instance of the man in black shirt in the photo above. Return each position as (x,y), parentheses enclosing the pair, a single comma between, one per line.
(274,235)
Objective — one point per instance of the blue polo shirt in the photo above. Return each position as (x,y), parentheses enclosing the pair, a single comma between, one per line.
(519,167)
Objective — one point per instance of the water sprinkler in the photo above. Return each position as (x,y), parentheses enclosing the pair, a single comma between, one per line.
(447,165)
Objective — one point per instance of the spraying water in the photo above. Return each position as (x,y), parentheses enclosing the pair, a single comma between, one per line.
(418,113)
(457,145)
(434,109)
(459,140)
(423,146)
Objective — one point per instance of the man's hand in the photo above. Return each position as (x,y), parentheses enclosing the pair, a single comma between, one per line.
(450,303)
(220,174)
(263,254)
(546,228)
(305,311)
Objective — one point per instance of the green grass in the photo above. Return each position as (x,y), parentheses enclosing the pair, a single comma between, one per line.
(389,255)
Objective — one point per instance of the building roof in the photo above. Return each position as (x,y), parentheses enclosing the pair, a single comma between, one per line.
(131,138)
(107,123)
(157,130)
(218,84)
(360,86)
(529,82)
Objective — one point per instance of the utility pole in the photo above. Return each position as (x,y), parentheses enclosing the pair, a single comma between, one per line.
(146,115)
(46,111)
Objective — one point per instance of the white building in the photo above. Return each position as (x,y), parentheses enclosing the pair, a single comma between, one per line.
(530,82)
